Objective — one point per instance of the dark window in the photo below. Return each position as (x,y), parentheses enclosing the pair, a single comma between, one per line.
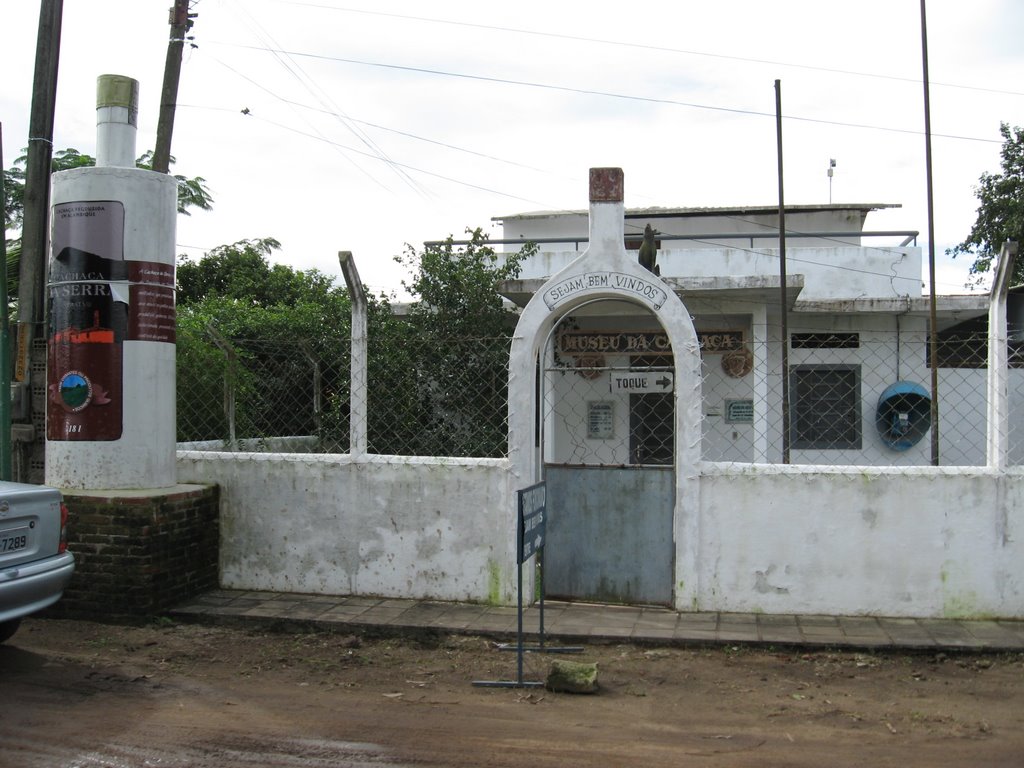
(652,418)
(825,340)
(651,428)
(966,346)
(960,348)
(825,406)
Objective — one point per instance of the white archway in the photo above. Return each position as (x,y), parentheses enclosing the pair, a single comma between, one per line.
(606,271)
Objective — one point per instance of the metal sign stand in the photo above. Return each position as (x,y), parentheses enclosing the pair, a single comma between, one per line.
(530,531)
(540,647)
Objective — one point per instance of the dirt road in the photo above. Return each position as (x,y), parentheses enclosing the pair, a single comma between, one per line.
(84,695)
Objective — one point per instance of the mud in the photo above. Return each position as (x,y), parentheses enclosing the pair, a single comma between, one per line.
(83,694)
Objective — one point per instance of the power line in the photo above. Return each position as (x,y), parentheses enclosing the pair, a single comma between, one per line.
(326,111)
(310,86)
(648,47)
(405,166)
(605,94)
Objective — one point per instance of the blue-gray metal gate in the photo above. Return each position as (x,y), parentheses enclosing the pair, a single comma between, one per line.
(608,455)
(609,534)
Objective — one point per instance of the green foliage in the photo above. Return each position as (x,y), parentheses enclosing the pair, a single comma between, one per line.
(13,262)
(192,193)
(237,271)
(437,369)
(277,338)
(456,289)
(449,360)
(1000,210)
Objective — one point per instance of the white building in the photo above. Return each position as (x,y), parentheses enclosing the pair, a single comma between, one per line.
(857,324)
(681,500)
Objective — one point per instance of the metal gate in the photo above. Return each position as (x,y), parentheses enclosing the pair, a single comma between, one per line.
(608,446)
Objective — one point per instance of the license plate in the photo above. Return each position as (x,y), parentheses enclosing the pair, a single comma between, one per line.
(13,540)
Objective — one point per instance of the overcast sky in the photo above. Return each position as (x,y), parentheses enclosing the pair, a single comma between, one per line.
(370,125)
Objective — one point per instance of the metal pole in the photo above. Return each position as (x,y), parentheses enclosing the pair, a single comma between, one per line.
(540,568)
(782,280)
(358,382)
(519,630)
(933,339)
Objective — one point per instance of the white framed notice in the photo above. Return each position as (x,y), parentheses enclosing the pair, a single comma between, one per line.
(600,419)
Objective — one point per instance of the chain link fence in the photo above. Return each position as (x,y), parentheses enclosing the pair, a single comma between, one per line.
(858,400)
(853,401)
(426,396)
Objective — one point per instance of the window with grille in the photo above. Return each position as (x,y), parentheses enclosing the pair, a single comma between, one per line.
(825,406)
(652,418)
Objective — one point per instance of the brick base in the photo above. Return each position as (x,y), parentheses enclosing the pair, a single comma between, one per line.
(138,553)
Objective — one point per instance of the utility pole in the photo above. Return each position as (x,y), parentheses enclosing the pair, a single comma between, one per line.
(181,23)
(5,340)
(32,271)
(933,336)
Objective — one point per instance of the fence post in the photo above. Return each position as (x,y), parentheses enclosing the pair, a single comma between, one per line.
(229,379)
(317,394)
(998,423)
(357,365)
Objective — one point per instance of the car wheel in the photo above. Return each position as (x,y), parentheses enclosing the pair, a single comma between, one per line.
(8,628)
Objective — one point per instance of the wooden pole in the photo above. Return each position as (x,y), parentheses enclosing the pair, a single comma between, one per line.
(181,22)
(32,271)
(5,340)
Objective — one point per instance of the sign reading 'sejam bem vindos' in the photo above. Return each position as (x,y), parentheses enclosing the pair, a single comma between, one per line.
(650,292)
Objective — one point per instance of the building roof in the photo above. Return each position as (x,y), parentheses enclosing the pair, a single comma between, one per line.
(658,212)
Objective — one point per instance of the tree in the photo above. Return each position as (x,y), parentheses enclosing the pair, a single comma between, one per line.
(276,337)
(437,370)
(453,351)
(14,180)
(456,289)
(192,193)
(1000,209)
(242,271)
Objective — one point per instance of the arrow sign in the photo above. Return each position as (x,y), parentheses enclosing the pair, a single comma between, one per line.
(641,383)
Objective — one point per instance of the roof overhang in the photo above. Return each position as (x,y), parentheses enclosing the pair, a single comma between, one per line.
(748,288)
(949,310)
(765,289)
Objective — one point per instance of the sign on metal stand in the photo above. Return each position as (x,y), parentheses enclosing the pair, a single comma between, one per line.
(531,525)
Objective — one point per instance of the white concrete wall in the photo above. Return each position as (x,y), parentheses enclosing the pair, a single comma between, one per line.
(829,272)
(907,542)
(721,222)
(893,542)
(406,527)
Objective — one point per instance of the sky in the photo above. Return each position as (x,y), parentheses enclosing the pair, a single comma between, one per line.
(371,126)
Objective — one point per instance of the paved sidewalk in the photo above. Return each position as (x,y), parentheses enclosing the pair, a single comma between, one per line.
(585,622)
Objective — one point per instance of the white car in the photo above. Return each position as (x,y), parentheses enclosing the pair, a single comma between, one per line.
(35,565)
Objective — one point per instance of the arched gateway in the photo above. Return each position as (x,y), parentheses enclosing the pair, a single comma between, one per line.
(604,405)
